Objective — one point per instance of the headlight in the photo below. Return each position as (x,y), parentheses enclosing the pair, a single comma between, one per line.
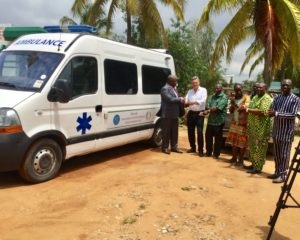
(9,121)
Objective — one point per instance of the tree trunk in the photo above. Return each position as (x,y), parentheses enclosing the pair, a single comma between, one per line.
(267,73)
(128,20)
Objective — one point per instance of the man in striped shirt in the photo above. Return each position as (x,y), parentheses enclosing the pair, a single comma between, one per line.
(284,110)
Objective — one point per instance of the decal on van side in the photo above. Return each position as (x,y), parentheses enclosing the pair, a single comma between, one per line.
(49,42)
(84,123)
(130,118)
(116,119)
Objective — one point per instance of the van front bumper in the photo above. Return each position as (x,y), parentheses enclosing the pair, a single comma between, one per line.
(13,147)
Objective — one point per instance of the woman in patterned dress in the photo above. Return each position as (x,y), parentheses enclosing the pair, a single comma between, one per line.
(237,133)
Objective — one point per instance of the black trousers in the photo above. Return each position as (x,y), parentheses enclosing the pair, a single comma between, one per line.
(194,121)
(169,127)
(214,139)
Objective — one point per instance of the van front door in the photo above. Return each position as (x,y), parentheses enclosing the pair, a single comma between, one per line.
(80,119)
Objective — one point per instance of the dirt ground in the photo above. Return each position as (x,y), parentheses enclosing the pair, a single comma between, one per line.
(137,193)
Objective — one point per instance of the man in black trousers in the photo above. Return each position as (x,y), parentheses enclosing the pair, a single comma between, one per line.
(170,105)
(217,110)
(196,99)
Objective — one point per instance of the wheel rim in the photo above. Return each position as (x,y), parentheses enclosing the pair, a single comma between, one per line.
(44,161)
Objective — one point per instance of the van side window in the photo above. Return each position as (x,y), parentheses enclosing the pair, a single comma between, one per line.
(154,78)
(120,77)
(82,74)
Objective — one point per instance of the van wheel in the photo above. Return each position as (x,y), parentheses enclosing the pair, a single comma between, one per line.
(156,139)
(42,161)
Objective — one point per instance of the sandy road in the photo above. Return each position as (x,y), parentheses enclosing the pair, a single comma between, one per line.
(136,192)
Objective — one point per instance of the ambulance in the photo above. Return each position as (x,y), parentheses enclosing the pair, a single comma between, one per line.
(69,94)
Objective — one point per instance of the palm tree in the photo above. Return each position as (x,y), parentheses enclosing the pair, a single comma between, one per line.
(146,10)
(83,14)
(273,26)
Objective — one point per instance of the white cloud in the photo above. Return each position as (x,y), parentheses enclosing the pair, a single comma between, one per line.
(42,13)
(34,12)
(235,66)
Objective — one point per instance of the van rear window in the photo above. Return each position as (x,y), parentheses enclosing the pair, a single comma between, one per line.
(154,78)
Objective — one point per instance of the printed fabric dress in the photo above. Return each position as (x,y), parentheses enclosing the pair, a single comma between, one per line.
(237,133)
(259,127)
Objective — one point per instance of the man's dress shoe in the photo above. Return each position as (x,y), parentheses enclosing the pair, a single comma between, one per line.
(166,151)
(176,150)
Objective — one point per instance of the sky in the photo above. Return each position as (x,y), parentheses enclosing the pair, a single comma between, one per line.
(43,13)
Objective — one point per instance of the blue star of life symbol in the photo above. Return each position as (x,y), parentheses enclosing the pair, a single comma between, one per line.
(84,123)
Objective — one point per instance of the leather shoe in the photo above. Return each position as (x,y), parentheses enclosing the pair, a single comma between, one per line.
(166,151)
(215,157)
(279,180)
(191,150)
(273,176)
(201,154)
(254,171)
(176,150)
(207,154)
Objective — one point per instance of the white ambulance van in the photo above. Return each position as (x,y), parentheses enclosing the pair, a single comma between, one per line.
(70,94)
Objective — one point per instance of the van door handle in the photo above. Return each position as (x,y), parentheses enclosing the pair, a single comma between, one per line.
(98,108)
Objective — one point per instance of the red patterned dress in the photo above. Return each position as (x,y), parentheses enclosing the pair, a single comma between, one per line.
(237,134)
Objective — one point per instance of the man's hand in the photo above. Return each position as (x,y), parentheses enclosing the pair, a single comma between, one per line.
(213,109)
(271,113)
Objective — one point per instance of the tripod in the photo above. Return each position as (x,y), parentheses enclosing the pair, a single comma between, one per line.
(286,190)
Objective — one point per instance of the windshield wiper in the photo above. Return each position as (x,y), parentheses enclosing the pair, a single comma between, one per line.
(6,84)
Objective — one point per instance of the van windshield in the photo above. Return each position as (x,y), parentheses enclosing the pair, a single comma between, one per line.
(27,70)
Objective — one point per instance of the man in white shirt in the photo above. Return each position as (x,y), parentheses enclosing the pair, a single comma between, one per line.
(196,100)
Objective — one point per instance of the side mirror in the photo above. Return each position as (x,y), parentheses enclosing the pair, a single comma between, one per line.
(60,92)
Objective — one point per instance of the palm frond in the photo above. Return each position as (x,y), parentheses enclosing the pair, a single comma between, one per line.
(256,63)
(236,31)
(217,7)
(254,50)
(78,7)
(111,12)
(177,5)
(65,20)
(289,18)
(151,20)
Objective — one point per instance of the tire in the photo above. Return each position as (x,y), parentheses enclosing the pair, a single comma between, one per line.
(156,139)
(42,162)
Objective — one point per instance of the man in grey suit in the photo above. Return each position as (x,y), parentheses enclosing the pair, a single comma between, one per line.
(170,102)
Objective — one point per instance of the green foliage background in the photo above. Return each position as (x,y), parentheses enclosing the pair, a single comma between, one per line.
(192,51)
